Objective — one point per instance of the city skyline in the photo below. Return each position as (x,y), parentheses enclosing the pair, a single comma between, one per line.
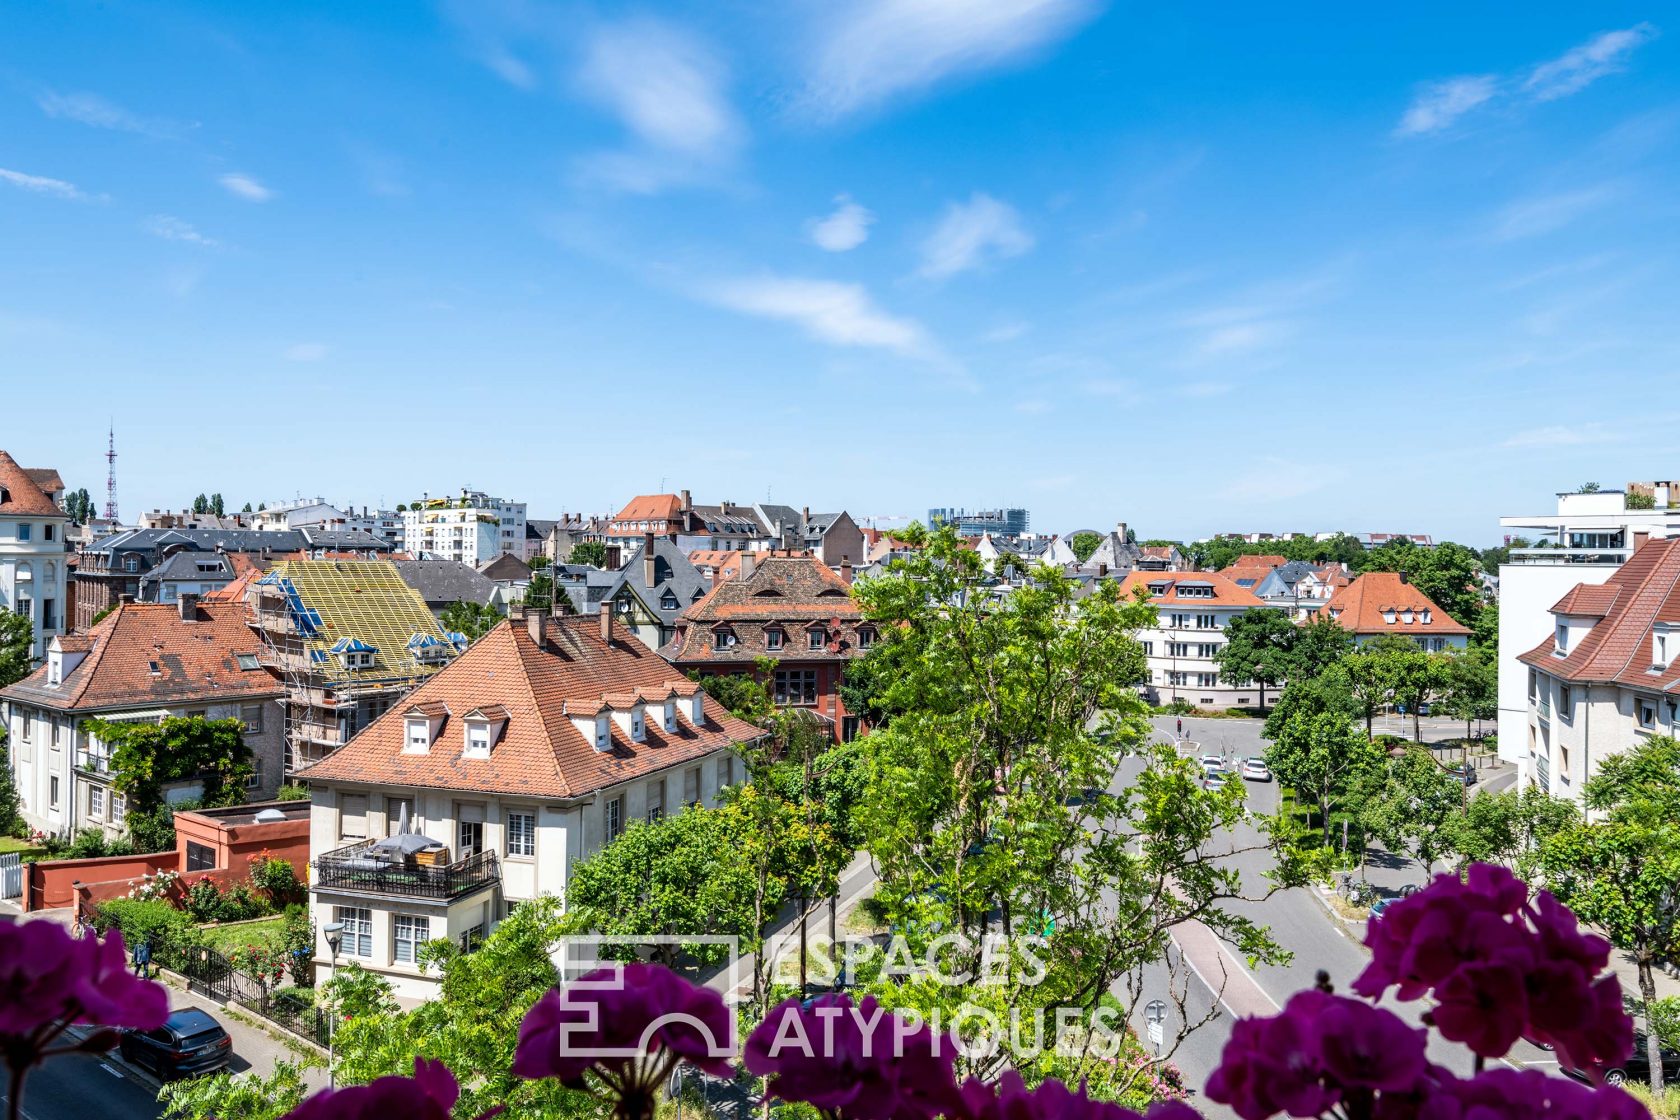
(1256,273)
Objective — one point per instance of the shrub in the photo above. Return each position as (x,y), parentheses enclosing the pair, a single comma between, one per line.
(90,843)
(164,927)
(203,901)
(156,887)
(239,903)
(292,792)
(292,1003)
(297,934)
(275,878)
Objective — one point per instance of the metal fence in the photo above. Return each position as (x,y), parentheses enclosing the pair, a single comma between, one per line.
(11,875)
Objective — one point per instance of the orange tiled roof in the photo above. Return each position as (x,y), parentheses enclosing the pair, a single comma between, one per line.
(21,494)
(1360,605)
(1226,592)
(197,662)
(1643,591)
(540,752)
(651,507)
(1266,560)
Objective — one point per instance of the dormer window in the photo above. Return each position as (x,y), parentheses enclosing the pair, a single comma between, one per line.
(817,639)
(353,653)
(419,739)
(723,638)
(638,727)
(774,637)
(697,709)
(1426,617)
(668,601)
(55,668)
(478,739)
(131,563)
(603,732)
(1562,639)
(865,637)
(1659,651)
(1388,615)
(671,714)
(1406,616)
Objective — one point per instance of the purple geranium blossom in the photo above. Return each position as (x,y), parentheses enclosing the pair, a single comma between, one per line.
(1274,1065)
(428,1095)
(1010,1099)
(631,1026)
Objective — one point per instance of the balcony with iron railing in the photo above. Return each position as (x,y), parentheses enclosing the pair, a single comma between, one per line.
(93,761)
(360,867)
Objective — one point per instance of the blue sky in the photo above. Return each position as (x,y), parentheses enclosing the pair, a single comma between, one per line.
(1199,268)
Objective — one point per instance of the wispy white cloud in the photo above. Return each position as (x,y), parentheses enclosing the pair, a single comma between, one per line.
(667,87)
(843,230)
(306,352)
(869,51)
(836,313)
(40,184)
(245,186)
(1556,435)
(1576,69)
(1436,105)
(174,229)
(510,69)
(971,234)
(1531,217)
(93,110)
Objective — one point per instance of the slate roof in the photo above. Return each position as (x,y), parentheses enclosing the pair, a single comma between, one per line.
(196,661)
(441,582)
(1360,605)
(346,540)
(1281,580)
(193,565)
(276,541)
(672,572)
(21,493)
(540,752)
(506,568)
(1642,592)
(585,585)
(794,590)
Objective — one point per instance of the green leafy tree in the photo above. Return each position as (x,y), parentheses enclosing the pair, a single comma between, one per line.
(1372,674)
(472,619)
(1414,809)
(1258,645)
(79,505)
(1638,499)
(1590,488)
(593,553)
(17,645)
(1510,828)
(540,593)
(1327,692)
(145,757)
(988,802)
(1084,544)
(539,562)
(1620,871)
(248,1096)
(743,694)
(11,817)
(1419,678)
(1450,574)
(1321,756)
(217,506)
(1319,645)
(678,875)
(247,508)
(1470,686)
(201,504)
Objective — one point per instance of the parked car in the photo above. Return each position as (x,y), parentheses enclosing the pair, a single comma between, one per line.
(1380,905)
(189,1042)
(1256,770)
(1637,1067)
(1464,772)
(1212,762)
(1214,779)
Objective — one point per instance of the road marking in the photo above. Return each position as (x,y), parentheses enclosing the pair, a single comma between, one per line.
(106,1066)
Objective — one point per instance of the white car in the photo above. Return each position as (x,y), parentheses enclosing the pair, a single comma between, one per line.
(1212,762)
(1256,770)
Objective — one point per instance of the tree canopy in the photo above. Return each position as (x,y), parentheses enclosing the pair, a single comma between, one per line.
(472,619)
(593,553)
(1084,544)
(17,647)
(1258,645)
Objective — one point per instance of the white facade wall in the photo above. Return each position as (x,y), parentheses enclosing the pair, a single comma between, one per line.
(1183,643)
(481,530)
(567,832)
(1569,729)
(33,577)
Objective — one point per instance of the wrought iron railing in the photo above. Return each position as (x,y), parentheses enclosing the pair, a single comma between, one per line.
(358,868)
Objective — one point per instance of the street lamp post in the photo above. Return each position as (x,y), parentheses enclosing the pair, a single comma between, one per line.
(335,937)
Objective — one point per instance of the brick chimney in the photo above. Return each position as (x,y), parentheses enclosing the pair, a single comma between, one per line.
(187,604)
(647,559)
(687,502)
(536,624)
(607,621)
(1639,540)
(846,569)
(746,566)
(804,516)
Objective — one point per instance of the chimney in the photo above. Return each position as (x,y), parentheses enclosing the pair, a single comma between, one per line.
(746,566)
(125,597)
(536,624)
(846,570)
(1639,540)
(188,606)
(687,502)
(1404,578)
(1120,531)
(1102,570)
(607,621)
(647,559)
(723,506)
(804,516)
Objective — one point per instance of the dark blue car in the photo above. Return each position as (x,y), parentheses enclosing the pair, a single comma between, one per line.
(189,1042)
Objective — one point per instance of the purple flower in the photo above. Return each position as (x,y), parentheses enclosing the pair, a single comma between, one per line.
(631,1025)
(428,1095)
(1049,1100)
(855,1059)
(1509,1094)
(1274,1065)
(49,979)
(1484,1006)
(1365,1047)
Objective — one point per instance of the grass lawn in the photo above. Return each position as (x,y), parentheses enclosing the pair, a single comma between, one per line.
(13,844)
(224,938)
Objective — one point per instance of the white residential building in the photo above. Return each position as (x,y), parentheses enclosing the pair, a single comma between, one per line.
(502,799)
(1585,541)
(1194,608)
(473,528)
(1605,676)
(33,574)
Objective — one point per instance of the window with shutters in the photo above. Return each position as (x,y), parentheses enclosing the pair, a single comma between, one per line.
(358,930)
(408,933)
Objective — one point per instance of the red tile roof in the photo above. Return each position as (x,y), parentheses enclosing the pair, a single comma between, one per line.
(1226,592)
(651,507)
(19,494)
(197,662)
(1618,648)
(1267,560)
(789,593)
(1360,607)
(540,752)
(46,478)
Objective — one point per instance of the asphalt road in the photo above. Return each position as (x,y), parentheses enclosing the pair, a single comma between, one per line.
(85,1087)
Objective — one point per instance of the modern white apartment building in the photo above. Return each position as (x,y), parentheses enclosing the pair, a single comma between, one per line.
(33,576)
(473,528)
(1586,541)
(1607,673)
(472,795)
(1194,609)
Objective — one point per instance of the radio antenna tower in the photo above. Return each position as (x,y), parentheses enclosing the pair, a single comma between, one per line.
(111,476)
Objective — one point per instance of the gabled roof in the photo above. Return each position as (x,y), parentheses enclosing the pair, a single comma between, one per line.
(441,582)
(197,661)
(46,478)
(20,494)
(1642,593)
(1360,607)
(363,600)
(505,567)
(672,572)
(650,507)
(1166,588)
(795,591)
(540,753)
